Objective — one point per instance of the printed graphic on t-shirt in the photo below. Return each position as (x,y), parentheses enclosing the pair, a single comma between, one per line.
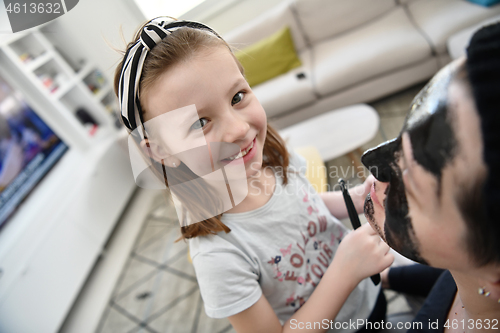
(305,261)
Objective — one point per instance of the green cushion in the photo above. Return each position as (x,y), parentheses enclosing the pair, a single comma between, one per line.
(269,57)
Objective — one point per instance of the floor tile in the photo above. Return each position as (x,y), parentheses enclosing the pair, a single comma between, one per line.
(178,316)
(163,208)
(115,321)
(209,325)
(397,104)
(152,232)
(377,139)
(134,273)
(391,126)
(415,302)
(160,244)
(396,303)
(158,294)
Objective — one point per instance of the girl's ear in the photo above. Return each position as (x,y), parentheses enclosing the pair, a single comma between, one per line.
(159,154)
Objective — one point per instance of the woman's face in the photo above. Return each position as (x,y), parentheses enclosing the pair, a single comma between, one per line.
(428,175)
(202,102)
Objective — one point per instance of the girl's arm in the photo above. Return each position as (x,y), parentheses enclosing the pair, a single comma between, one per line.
(360,254)
(335,202)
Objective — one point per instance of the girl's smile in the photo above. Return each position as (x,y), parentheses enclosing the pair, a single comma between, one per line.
(246,153)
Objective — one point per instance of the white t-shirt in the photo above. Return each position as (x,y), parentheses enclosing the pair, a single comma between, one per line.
(280,250)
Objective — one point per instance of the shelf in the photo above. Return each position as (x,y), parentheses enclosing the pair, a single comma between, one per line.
(72,82)
(95,82)
(39,61)
(84,71)
(79,99)
(103,92)
(6,39)
(63,90)
(110,99)
(28,47)
(51,76)
(52,33)
(67,87)
(110,102)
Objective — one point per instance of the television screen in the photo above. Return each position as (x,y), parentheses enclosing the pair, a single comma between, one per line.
(28,149)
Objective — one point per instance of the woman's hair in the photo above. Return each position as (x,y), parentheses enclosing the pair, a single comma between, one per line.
(483,231)
(180,46)
(483,70)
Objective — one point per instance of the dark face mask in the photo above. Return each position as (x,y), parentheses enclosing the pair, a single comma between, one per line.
(433,143)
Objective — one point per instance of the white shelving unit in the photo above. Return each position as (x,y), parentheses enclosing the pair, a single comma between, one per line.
(33,61)
(50,245)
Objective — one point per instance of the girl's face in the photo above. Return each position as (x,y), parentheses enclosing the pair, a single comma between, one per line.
(219,107)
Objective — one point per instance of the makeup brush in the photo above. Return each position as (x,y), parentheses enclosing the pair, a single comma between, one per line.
(353,216)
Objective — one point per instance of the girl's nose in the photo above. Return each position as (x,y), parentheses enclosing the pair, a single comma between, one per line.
(235,128)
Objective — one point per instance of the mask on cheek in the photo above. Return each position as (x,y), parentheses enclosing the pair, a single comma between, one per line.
(398,229)
(433,145)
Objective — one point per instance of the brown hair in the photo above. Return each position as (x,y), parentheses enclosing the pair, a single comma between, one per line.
(179,46)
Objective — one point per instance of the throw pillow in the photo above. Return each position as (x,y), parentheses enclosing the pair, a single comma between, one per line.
(269,57)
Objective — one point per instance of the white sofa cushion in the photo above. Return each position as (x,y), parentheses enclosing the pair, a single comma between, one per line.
(322,19)
(287,92)
(265,25)
(458,43)
(405,1)
(439,19)
(386,45)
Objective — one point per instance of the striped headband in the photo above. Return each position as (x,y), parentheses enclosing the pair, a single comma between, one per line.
(128,89)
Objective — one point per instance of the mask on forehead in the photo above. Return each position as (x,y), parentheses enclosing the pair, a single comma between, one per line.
(433,143)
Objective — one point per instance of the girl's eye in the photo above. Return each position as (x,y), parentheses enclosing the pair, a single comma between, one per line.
(237,98)
(200,123)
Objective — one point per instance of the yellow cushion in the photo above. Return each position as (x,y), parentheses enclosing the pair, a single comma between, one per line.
(316,170)
(269,57)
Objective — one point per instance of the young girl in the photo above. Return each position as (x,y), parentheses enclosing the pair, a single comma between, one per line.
(273,262)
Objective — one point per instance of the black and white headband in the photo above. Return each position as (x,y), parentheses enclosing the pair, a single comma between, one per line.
(152,33)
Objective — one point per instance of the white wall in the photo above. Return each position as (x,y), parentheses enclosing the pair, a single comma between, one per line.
(94,29)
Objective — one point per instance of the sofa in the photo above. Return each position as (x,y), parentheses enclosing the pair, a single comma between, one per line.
(354,51)
(458,42)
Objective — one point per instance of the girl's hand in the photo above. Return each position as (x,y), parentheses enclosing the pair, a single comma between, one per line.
(359,193)
(362,253)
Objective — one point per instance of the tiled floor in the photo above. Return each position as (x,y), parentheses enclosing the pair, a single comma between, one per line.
(157,290)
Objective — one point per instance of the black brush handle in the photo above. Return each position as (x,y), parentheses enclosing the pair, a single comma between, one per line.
(353,216)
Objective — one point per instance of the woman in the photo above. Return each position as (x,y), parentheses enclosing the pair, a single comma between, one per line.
(437,194)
